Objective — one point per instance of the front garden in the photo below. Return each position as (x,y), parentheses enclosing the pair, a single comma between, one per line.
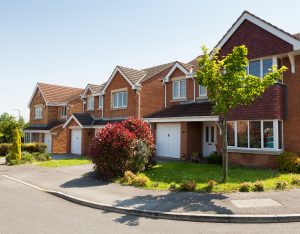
(123,152)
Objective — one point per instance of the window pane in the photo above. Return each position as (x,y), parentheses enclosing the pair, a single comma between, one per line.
(115,99)
(267,65)
(119,99)
(202,90)
(175,89)
(242,134)
(255,134)
(124,99)
(230,133)
(280,140)
(254,68)
(212,134)
(182,88)
(206,134)
(268,134)
(100,101)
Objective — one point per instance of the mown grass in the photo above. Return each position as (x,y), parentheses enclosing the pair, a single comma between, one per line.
(64,162)
(163,175)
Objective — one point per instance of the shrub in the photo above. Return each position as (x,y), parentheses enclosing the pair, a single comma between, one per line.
(41,157)
(258,186)
(128,177)
(27,157)
(173,187)
(15,150)
(116,149)
(288,162)
(34,147)
(296,181)
(245,187)
(195,157)
(189,185)
(140,181)
(281,185)
(4,149)
(210,185)
(214,158)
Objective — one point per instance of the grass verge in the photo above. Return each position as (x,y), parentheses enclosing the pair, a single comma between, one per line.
(64,162)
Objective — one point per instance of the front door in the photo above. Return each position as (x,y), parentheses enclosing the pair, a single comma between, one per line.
(48,141)
(76,141)
(209,138)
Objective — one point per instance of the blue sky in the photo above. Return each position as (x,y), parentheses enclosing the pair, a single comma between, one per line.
(71,42)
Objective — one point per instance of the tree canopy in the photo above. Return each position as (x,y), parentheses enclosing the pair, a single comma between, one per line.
(8,124)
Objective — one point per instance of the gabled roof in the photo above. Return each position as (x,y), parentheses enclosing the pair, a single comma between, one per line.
(153,71)
(95,89)
(292,39)
(56,94)
(132,74)
(297,36)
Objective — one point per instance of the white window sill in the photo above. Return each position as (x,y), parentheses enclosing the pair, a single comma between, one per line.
(37,118)
(178,99)
(118,108)
(254,151)
(100,108)
(202,97)
(90,110)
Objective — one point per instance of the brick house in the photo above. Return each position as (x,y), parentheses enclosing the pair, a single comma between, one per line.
(257,132)
(50,107)
(127,93)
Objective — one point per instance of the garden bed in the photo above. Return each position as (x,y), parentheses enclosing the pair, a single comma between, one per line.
(172,174)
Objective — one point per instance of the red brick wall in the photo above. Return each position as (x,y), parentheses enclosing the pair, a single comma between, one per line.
(191,139)
(119,82)
(96,112)
(271,105)
(60,140)
(38,100)
(260,43)
(87,136)
(252,160)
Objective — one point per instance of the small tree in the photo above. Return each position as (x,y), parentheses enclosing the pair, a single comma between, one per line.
(229,85)
(15,151)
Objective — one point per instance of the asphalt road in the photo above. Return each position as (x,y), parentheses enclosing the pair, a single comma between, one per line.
(26,210)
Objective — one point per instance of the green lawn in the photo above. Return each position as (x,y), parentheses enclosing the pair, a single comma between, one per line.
(163,174)
(64,162)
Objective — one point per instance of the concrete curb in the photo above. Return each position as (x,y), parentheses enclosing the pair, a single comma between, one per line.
(217,218)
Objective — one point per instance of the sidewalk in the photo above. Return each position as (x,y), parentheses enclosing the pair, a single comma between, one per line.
(69,180)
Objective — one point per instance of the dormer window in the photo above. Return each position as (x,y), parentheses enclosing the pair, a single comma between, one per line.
(64,111)
(202,91)
(38,110)
(179,89)
(90,103)
(260,67)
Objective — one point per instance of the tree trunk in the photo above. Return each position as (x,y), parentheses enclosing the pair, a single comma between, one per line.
(225,152)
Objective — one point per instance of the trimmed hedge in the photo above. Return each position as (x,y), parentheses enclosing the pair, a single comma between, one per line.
(29,147)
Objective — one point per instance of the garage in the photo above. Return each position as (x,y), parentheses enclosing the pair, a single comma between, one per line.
(76,135)
(168,140)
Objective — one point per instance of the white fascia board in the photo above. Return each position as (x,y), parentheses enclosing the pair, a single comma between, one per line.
(87,88)
(176,65)
(56,104)
(275,31)
(70,119)
(36,131)
(113,75)
(183,119)
(35,89)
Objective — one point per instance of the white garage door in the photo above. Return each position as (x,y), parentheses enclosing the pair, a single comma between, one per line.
(48,141)
(168,140)
(76,141)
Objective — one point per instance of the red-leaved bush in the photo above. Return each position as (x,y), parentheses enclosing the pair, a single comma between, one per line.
(120,147)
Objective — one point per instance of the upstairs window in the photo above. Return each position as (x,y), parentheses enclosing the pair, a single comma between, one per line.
(260,67)
(202,91)
(100,102)
(179,89)
(64,111)
(120,100)
(38,112)
(90,103)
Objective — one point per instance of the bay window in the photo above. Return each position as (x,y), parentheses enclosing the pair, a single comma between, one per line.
(120,100)
(256,134)
(179,89)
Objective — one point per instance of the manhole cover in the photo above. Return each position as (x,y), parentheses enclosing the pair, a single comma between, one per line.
(249,203)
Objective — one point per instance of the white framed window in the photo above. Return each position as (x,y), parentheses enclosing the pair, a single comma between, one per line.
(202,91)
(179,89)
(100,101)
(90,103)
(38,110)
(260,67)
(64,111)
(255,134)
(120,100)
